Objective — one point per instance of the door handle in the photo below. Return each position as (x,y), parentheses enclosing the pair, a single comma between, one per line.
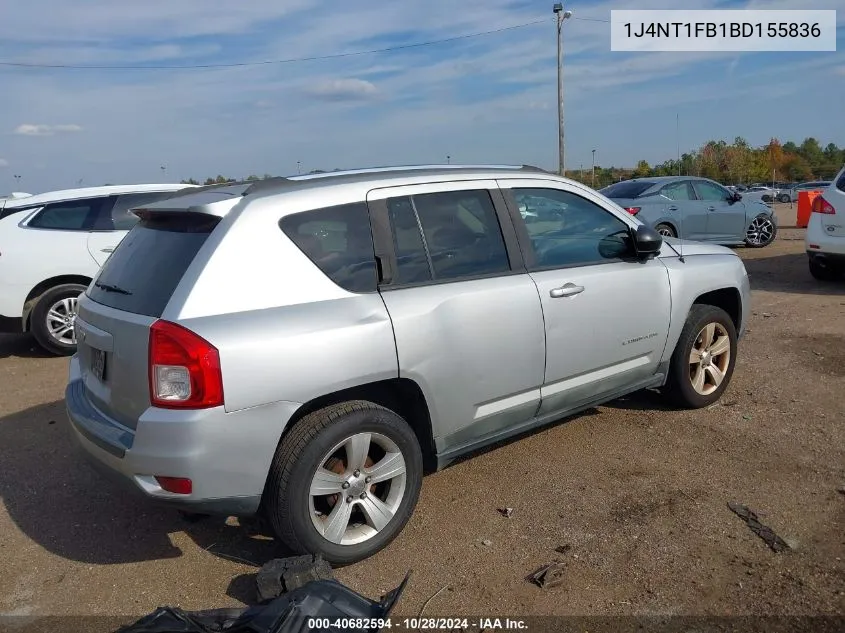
(566,290)
(107,250)
(673,208)
(711,208)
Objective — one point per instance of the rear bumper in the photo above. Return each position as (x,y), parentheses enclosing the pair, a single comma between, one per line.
(227,456)
(820,241)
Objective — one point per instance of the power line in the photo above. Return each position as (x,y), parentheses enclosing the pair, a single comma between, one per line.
(280,61)
(590,19)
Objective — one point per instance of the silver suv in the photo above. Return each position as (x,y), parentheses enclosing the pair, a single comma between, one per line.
(304,348)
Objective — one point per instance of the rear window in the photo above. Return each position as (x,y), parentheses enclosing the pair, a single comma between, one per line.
(627,189)
(144,270)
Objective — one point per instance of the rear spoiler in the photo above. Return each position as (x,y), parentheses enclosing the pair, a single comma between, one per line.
(216,199)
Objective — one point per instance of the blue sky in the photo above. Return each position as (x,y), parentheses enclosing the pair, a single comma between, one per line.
(488,99)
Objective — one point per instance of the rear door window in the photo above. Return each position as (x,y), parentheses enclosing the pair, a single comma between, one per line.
(446,235)
(678,191)
(142,273)
(340,243)
(72,215)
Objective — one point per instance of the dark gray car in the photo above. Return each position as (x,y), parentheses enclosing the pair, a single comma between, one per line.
(696,209)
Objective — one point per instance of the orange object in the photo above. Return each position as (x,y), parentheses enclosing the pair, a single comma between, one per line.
(805,207)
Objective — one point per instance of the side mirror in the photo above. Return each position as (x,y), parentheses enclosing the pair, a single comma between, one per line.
(647,242)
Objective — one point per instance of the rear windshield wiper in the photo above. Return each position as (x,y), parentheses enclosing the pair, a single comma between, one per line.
(111,288)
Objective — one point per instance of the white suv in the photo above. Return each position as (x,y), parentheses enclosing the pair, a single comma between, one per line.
(51,246)
(825,238)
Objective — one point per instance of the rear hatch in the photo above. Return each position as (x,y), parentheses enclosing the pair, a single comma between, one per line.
(131,292)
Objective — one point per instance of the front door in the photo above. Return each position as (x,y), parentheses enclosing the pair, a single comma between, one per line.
(466,317)
(606,314)
(725,219)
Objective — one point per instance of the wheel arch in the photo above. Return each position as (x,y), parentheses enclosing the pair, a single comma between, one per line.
(728,299)
(44,286)
(401,395)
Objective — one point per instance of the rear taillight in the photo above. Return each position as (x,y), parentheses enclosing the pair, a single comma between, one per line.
(820,205)
(178,485)
(633,210)
(184,369)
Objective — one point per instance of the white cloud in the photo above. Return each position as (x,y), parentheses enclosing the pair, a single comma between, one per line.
(343,90)
(41,129)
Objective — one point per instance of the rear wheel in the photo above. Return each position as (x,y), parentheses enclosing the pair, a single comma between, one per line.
(784,198)
(53,318)
(823,272)
(761,232)
(703,360)
(666,230)
(344,482)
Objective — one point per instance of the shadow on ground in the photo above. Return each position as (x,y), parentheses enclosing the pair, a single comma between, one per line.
(56,499)
(20,345)
(788,273)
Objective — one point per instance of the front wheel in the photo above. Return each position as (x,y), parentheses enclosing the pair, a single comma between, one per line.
(344,482)
(784,198)
(761,232)
(53,318)
(703,360)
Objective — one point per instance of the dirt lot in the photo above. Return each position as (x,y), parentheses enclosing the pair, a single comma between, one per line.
(638,491)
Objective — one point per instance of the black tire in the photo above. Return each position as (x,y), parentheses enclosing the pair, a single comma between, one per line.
(679,383)
(666,230)
(761,242)
(784,198)
(823,273)
(287,502)
(38,318)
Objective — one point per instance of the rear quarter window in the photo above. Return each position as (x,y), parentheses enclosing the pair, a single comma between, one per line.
(338,240)
(142,273)
(627,189)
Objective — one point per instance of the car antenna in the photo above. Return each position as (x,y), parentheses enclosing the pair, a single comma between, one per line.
(681,229)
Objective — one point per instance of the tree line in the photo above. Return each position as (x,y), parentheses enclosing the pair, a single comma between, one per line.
(729,163)
(735,163)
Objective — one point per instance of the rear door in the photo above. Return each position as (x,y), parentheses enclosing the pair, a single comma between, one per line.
(466,316)
(114,220)
(606,315)
(130,293)
(688,213)
(726,220)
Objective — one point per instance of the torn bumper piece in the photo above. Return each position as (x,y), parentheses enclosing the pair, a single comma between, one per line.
(319,605)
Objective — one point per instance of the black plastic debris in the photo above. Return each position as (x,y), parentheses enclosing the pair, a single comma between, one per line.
(281,575)
(548,576)
(776,543)
(505,512)
(315,606)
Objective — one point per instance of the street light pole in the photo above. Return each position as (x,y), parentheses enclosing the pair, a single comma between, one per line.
(594,170)
(561,16)
(17,181)
(448,159)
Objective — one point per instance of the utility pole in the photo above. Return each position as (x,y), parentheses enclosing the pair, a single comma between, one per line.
(582,172)
(448,159)
(678,137)
(561,16)
(594,170)
(298,167)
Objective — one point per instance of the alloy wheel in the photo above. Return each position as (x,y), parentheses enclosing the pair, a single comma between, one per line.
(709,358)
(61,318)
(357,488)
(760,232)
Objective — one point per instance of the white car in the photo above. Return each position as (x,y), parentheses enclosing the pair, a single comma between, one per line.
(825,238)
(51,246)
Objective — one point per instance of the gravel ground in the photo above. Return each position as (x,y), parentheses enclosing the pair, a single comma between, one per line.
(637,492)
